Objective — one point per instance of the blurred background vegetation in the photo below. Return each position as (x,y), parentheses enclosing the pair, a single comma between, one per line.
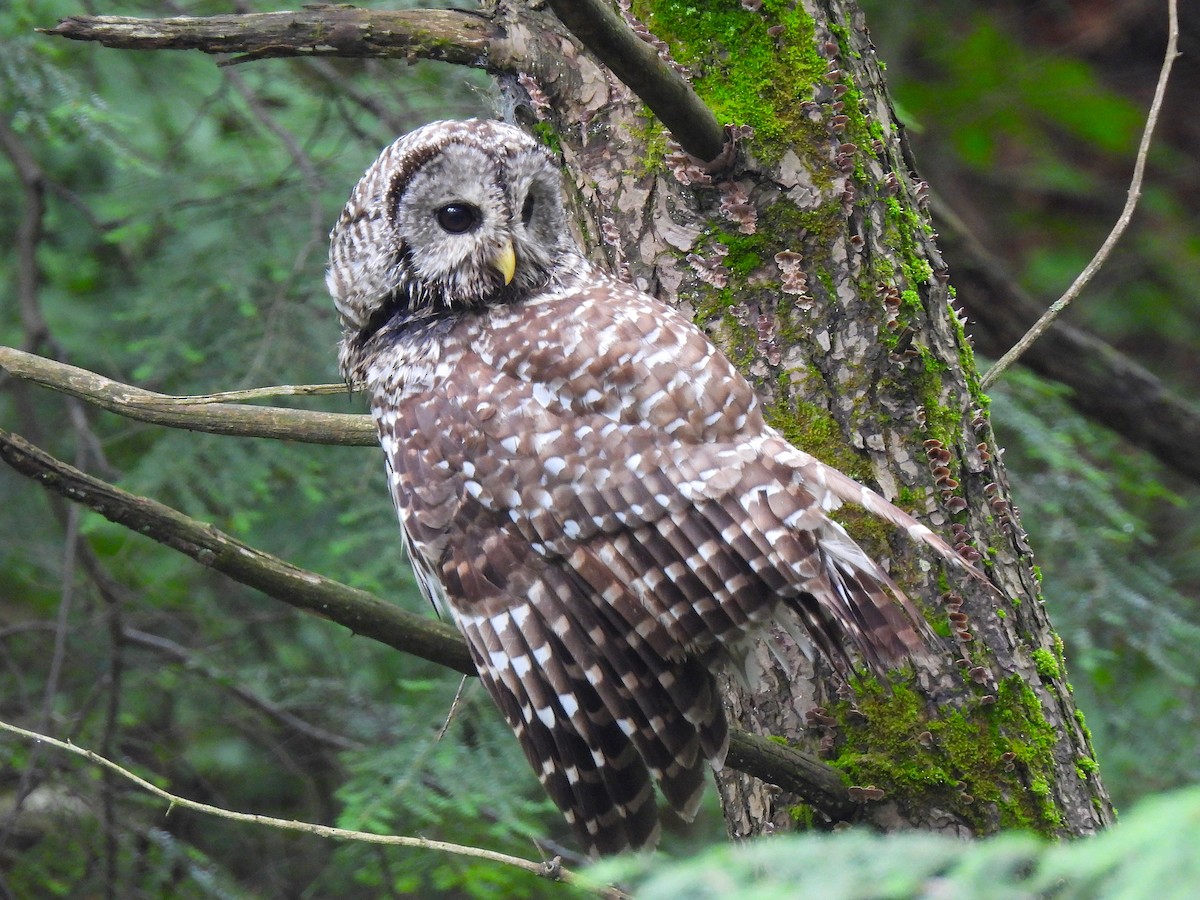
(175,216)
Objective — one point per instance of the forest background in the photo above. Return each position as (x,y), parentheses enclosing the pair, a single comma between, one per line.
(165,224)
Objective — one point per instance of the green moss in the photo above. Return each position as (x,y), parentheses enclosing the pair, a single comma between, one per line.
(1046,664)
(745,75)
(714,305)
(745,251)
(803,815)
(549,136)
(942,422)
(1060,651)
(1086,766)
(814,430)
(653,136)
(966,359)
(1087,732)
(985,761)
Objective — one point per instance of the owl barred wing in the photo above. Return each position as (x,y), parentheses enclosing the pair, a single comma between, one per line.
(649,425)
(591,558)
(598,695)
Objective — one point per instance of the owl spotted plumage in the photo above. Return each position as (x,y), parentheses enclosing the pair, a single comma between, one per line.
(584,482)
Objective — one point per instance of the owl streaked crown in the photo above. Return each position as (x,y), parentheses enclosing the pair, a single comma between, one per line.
(452,216)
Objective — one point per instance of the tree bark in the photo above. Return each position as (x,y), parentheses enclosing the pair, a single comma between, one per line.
(806,253)
(811,261)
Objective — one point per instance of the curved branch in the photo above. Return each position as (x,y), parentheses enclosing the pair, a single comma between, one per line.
(358,610)
(364,614)
(1131,201)
(275,422)
(1106,385)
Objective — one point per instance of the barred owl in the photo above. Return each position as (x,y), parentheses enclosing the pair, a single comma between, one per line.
(584,483)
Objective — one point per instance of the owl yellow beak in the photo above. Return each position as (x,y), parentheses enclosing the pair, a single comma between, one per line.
(506,262)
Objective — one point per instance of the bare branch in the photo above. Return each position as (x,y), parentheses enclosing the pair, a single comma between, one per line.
(454,36)
(29,233)
(214,418)
(262,393)
(551,869)
(638,65)
(357,610)
(1131,201)
(814,780)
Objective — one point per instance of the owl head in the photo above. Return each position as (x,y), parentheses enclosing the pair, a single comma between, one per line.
(455,216)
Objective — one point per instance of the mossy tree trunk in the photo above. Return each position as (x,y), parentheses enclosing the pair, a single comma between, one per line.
(813,264)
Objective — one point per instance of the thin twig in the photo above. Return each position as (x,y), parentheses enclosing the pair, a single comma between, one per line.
(1106,385)
(191,662)
(1131,201)
(462,685)
(549,869)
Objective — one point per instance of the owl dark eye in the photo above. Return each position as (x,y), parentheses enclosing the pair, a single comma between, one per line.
(457,218)
(527,209)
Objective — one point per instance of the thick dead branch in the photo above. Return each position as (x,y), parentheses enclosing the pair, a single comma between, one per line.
(361,612)
(454,36)
(214,418)
(814,781)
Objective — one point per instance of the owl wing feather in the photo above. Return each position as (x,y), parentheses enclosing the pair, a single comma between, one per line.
(595,491)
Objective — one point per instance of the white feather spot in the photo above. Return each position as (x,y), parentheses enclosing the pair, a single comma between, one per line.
(543,395)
